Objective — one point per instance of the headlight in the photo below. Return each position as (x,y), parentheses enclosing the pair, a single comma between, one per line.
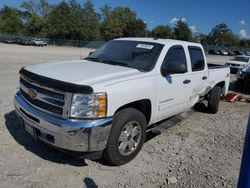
(89,106)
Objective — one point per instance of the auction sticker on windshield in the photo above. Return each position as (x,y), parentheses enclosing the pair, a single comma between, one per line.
(145,46)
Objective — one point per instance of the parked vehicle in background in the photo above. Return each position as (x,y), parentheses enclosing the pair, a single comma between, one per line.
(107,101)
(38,42)
(217,52)
(238,62)
(25,41)
(230,53)
(212,52)
(8,40)
(222,52)
(243,78)
(239,52)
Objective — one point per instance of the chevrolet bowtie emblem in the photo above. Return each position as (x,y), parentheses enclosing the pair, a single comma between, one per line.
(32,93)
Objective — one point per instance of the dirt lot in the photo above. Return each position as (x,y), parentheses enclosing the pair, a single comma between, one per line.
(202,151)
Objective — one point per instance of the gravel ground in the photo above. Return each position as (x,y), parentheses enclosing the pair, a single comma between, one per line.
(204,150)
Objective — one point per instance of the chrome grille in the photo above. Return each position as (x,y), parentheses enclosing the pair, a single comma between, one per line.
(45,99)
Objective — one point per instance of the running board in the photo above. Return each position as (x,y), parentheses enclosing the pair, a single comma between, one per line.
(171,121)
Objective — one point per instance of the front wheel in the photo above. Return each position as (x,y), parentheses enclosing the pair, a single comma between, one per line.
(126,137)
(214,100)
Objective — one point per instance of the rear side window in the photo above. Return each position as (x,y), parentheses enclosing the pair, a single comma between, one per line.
(197,59)
(175,54)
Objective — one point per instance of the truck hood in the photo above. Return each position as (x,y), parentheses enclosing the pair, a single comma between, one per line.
(82,72)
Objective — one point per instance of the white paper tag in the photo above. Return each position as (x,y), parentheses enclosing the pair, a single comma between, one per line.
(145,46)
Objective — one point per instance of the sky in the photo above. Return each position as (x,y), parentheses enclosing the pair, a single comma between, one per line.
(201,15)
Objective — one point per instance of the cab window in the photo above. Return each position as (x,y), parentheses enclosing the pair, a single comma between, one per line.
(197,58)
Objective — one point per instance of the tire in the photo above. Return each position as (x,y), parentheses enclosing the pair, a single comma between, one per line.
(214,100)
(117,152)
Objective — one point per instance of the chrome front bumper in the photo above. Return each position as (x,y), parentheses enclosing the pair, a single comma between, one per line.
(68,134)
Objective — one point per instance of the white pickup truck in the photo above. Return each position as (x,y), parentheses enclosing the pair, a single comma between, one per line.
(104,103)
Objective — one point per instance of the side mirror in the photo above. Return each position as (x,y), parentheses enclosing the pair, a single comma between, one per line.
(173,68)
(90,53)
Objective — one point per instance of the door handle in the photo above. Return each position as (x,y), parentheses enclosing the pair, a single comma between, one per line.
(204,78)
(186,81)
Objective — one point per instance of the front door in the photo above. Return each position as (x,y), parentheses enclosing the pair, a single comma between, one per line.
(174,90)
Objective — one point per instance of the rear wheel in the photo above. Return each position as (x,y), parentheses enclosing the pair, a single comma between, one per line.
(126,137)
(214,100)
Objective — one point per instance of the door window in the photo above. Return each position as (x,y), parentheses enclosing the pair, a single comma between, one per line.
(175,55)
(197,58)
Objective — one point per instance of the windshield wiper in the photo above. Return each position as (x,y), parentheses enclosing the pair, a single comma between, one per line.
(92,59)
(111,62)
(123,64)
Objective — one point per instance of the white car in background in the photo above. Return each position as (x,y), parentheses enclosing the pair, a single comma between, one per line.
(222,52)
(238,62)
(38,42)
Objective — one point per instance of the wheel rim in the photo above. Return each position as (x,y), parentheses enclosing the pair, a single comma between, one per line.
(129,138)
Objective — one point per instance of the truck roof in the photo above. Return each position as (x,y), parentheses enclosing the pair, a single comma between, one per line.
(158,40)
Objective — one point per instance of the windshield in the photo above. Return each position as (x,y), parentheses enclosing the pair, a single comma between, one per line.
(133,54)
(243,59)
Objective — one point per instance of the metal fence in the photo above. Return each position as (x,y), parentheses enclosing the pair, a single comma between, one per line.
(96,44)
(50,41)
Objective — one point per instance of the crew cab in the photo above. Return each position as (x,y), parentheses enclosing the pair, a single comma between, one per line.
(238,62)
(103,105)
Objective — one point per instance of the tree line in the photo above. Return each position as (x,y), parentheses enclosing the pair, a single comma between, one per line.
(70,20)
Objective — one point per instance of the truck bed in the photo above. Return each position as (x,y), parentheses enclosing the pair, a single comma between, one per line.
(219,74)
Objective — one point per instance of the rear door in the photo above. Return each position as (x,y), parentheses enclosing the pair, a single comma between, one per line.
(173,91)
(199,70)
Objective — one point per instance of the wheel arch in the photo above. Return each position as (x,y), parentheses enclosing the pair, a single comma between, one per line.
(222,85)
(143,105)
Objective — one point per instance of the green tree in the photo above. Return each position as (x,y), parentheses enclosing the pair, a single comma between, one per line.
(163,31)
(10,21)
(44,8)
(112,28)
(135,28)
(40,8)
(122,22)
(105,11)
(76,22)
(245,43)
(182,31)
(91,21)
(58,24)
(29,6)
(34,25)
(34,16)
(221,35)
